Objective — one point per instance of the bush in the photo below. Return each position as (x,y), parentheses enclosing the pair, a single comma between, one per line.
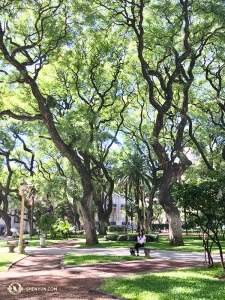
(122,237)
(111,237)
(149,237)
(158,227)
(189,225)
(79,232)
(116,228)
(132,237)
(152,238)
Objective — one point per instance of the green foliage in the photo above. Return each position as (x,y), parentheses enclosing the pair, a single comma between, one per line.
(132,237)
(149,237)
(112,237)
(192,243)
(152,238)
(46,222)
(69,67)
(123,237)
(63,227)
(204,201)
(115,228)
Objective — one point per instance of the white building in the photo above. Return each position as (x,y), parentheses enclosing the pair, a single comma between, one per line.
(15,222)
(118,215)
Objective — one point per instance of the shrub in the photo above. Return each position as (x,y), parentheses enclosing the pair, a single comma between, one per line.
(79,232)
(112,237)
(122,237)
(159,227)
(116,228)
(149,237)
(132,237)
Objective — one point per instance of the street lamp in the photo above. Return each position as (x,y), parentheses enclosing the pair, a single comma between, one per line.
(23,189)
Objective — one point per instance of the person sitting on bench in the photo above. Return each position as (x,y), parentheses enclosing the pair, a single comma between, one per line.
(141,239)
(23,242)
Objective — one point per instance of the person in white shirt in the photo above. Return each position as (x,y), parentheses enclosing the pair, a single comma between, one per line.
(141,239)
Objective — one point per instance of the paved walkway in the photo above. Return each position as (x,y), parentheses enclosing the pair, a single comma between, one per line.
(41,277)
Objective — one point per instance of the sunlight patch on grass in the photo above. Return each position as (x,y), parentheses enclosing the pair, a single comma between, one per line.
(186,284)
(8,258)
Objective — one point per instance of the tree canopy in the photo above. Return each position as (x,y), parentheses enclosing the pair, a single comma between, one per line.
(87,74)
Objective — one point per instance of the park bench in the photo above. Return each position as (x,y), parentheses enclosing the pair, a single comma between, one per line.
(146,250)
(13,244)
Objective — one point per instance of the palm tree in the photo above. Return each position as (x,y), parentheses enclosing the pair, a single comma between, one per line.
(134,177)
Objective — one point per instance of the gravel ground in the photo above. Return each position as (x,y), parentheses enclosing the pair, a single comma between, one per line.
(40,276)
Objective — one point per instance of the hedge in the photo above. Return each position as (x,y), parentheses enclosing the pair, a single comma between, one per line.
(130,237)
(116,228)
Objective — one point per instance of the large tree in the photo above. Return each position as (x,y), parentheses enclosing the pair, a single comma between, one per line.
(16,159)
(74,67)
(54,71)
(170,42)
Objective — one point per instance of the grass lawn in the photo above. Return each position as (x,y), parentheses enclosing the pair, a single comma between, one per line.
(35,240)
(185,284)
(188,284)
(7,259)
(191,244)
(78,259)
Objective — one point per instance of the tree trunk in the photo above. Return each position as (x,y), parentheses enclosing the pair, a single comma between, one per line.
(89,224)
(175,229)
(149,209)
(103,217)
(173,214)
(78,221)
(102,227)
(148,220)
(4,212)
(7,219)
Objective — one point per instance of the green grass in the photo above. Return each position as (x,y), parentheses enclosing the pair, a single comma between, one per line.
(78,259)
(35,240)
(7,259)
(188,284)
(191,244)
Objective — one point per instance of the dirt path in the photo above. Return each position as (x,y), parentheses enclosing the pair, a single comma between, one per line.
(39,276)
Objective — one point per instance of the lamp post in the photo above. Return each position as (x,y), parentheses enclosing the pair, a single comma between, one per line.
(23,189)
